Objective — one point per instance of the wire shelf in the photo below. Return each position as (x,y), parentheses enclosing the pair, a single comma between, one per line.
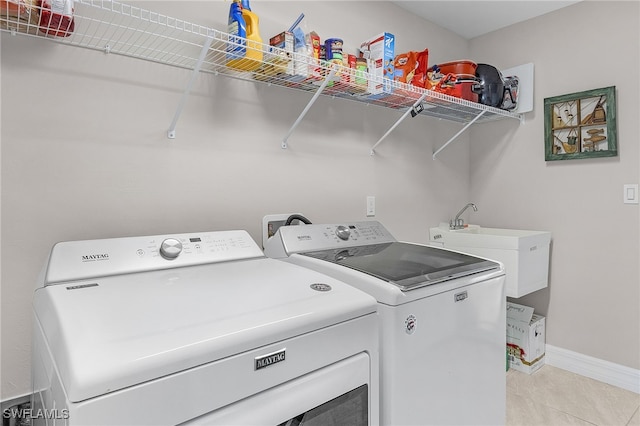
(118,28)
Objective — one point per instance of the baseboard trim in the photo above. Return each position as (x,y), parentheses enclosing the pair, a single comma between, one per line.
(594,368)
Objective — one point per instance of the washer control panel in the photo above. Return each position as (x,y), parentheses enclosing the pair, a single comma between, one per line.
(76,260)
(306,238)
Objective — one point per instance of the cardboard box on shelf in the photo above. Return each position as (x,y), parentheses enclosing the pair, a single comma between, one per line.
(525,338)
(282,53)
(379,51)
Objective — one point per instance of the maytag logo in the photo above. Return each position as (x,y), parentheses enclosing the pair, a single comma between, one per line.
(304,237)
(459,297)
(270,359)
(95,257)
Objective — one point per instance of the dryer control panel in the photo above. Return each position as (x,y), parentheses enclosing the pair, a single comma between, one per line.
(78,260)
(301,239)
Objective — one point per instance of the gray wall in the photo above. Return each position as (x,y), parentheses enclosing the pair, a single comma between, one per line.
(593,301)
(85,155)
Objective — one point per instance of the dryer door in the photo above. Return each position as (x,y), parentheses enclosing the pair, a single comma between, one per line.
(335,395)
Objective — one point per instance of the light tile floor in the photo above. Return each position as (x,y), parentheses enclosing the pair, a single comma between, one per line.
(555,397)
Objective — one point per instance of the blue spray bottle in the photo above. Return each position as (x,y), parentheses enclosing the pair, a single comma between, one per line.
(236,48)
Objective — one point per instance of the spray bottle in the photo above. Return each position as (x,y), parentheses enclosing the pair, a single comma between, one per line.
(252,58)
(237,47)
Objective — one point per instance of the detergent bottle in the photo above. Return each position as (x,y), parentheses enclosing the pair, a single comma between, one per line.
(237,46)
(252,58)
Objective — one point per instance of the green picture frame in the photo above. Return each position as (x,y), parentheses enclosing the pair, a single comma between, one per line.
(581,125)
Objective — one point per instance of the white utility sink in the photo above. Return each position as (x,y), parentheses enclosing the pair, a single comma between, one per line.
(524,253)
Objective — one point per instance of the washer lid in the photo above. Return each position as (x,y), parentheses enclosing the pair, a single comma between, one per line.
(113,332)
(405,265)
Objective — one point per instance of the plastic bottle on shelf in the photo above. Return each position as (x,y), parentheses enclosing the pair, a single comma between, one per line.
(252,58)
(237,47)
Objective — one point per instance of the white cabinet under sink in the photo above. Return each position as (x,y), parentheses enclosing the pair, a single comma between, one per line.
(525,254)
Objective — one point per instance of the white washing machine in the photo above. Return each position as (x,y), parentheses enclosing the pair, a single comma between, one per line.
(198,329)
(442,319)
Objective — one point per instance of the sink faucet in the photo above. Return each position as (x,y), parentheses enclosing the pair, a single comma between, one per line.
(458,223)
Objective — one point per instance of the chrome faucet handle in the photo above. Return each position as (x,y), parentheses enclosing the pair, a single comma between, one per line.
(458,223)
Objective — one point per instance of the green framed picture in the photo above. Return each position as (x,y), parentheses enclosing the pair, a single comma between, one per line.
(581,125)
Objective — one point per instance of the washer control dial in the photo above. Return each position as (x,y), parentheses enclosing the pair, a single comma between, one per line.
(343,232)
(170,248)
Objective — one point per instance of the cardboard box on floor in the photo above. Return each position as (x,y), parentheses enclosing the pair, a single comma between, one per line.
(525,338)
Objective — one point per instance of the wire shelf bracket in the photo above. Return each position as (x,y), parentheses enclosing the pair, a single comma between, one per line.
(397,123)
(454,137)
(171,134)
(326,81)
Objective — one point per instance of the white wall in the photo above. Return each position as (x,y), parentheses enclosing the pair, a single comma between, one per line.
(85,153)
(593,300)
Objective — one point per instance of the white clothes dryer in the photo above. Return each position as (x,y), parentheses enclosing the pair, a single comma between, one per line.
(198,329)
(442,319)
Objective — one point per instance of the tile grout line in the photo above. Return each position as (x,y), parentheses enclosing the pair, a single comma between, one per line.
(632,415)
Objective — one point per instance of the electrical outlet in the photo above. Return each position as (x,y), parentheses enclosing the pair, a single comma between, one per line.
(371,206)
(630,193)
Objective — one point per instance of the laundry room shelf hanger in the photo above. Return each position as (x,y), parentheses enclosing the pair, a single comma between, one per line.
(122,29)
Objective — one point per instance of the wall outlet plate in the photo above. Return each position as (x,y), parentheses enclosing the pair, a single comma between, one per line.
(630,194)
(371,206)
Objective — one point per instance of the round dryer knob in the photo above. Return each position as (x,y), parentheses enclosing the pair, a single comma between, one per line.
(343,232)
(170,248)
